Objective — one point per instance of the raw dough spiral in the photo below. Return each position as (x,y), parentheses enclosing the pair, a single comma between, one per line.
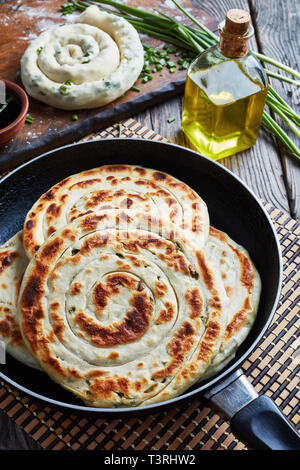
(120,315)
(84,65)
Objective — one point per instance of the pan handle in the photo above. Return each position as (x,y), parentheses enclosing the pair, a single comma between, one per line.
(255,419)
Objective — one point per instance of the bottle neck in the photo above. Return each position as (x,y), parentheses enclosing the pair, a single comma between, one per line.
(233,46)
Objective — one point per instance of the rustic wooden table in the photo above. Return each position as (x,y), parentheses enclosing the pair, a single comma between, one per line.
(267,168)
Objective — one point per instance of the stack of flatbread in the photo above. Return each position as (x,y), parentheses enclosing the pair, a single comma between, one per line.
(121,292)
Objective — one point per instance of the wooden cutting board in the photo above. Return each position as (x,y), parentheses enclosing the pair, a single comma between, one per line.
(23,20)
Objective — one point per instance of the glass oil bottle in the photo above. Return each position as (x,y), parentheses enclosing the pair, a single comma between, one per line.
(225,92)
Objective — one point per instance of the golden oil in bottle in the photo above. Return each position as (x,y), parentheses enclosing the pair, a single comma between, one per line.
(224,96)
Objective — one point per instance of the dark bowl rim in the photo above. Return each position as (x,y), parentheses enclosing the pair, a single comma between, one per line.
(22,95)
(227,371)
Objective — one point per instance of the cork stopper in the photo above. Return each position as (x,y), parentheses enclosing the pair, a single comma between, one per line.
(237,22)
(235,32)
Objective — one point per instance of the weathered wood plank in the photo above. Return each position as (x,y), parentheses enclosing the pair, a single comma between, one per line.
(12,437)
(278,37)
(260,167)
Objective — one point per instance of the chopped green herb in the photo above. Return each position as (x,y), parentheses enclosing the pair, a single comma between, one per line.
(120,130)
(63,89)
(135,88)
(162,53)
(39,50)
(29,119)
(68,8)
(146,46)
(4,105)
(171,64)
(171,119)
(74,117)
(184,66)
(172,70)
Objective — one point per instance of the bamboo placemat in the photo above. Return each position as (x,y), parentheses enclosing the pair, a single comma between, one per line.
(273,368)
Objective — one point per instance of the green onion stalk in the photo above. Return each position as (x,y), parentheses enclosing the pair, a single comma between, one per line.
(194,41)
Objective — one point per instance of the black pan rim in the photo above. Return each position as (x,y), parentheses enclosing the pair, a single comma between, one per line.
(227,371)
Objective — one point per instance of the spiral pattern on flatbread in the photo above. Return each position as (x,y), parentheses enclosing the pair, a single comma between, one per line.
(242,285)
(122,310)
(13,262)
(117,187)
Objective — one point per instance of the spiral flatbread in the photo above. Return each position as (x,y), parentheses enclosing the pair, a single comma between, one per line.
(121,315)
(242,285)
(83,65)
(13,262)
(117,187)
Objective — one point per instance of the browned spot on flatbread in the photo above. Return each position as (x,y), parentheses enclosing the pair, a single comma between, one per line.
(96,241)
(114,355)
(49,195)
(6,259)
(237,321)
(166,314)
(206,273)
(207,344)
(141,171)
(115,168)
(106,388)
(91,222)
(181,343)
(51,249)
(195,302)
(160,288)
(4,329)
(134,325)
(58,325)
(159,176)
(29,224)
(75,288)
(84,183)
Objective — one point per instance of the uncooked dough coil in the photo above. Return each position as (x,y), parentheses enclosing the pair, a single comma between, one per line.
(83,65)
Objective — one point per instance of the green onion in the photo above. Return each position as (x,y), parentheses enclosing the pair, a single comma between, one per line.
(74,117)
(191,42)
(170,64)
(171,119)
(29,119)
(63,89)
(120,129)
(4,105)
(135,88)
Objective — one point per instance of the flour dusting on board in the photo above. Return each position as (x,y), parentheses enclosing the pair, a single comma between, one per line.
(43,20)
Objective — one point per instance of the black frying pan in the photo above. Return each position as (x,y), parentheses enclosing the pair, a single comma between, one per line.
(233,208)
